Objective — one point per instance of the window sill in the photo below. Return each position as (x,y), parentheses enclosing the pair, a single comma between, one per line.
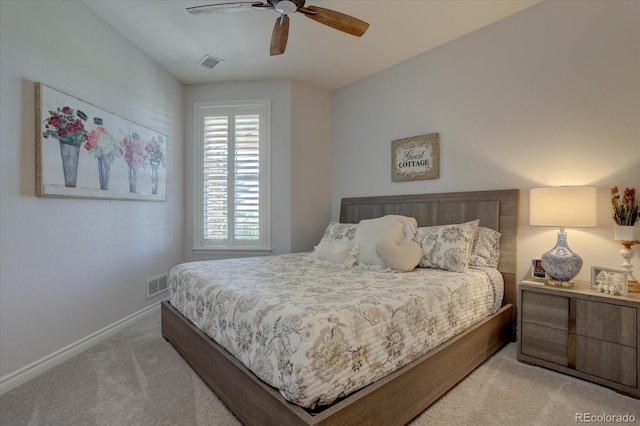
(232,251)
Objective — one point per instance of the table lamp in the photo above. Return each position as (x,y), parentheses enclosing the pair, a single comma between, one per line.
(562,206)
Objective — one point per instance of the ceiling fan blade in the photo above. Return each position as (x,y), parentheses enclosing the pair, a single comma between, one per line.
(280,35)
(337,20)
(233,6)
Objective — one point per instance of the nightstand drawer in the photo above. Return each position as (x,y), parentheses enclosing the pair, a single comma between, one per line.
(605,321)
(607,360)
(545,309)
(545,343)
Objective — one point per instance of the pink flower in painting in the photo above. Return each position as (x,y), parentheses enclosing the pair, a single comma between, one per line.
(154,149)
(92,141)
(101,143)
(54,121)
(134,154)
(64,126)
(72,128)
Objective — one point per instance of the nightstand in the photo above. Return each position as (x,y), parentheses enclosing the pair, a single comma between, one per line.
(581,332)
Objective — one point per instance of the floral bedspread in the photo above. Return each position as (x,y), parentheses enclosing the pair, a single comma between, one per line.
(318,332)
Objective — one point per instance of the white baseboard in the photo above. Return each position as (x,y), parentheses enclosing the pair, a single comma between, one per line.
(28,372)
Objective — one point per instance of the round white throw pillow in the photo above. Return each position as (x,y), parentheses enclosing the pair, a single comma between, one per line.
(403,256)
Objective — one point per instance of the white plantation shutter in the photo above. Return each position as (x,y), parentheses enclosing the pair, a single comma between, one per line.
(215,167)
(247,177)
(234,184)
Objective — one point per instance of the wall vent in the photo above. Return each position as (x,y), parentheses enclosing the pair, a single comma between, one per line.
(209,61)
(157,285)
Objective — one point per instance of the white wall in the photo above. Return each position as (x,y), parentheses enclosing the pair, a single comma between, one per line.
(310,165)
(300,159)
(70,267)
(548,96)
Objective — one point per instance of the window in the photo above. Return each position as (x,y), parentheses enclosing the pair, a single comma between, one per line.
(232,176)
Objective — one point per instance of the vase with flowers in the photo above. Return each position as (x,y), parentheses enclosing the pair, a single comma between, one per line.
(156,157)
(69,130)
(135,157)
(626,212)
(105,148)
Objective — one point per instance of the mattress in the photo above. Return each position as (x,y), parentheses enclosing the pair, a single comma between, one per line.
(319,332)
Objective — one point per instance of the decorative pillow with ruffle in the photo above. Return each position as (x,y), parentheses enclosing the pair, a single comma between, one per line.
(339,252)
(337,245)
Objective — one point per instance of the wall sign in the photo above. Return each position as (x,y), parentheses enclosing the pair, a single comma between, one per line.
(415,158)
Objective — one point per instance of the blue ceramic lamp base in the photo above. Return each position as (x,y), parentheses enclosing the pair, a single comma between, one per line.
(560,263)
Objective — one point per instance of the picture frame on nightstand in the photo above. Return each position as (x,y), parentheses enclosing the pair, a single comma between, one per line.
(537,269)
(609,280)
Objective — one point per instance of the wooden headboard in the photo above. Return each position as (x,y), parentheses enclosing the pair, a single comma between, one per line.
(496,210)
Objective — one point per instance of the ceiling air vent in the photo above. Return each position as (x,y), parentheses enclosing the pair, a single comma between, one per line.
(209,62)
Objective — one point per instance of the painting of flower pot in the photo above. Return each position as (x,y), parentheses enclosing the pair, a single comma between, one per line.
(135,158)
(83,151)
(67,127)
(156,158)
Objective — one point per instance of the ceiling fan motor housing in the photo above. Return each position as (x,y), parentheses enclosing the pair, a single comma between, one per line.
(286,7)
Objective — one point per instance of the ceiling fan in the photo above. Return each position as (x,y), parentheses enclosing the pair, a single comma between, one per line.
(331,18)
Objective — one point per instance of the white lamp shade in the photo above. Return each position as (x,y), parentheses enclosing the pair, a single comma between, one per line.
(572,206)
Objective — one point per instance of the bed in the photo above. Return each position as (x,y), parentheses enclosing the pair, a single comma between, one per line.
(395,397)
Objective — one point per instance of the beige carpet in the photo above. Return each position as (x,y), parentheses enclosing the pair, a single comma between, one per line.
(136,378)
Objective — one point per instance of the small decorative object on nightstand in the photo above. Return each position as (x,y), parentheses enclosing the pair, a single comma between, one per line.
(581,332)
(626,212)
(627,254)
(538,269)
(609,281)
(573,206)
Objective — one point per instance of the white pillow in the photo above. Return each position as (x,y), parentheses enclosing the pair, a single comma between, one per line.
(336,245)
(410,225)
(370,232)
(447,247)
(335,251)
(402,257)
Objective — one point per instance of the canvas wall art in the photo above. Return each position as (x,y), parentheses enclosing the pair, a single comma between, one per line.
(83,151)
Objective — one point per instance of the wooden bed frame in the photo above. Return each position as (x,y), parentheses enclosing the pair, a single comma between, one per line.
(399,397)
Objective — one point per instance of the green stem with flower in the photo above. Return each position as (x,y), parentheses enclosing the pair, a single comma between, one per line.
(625,207)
